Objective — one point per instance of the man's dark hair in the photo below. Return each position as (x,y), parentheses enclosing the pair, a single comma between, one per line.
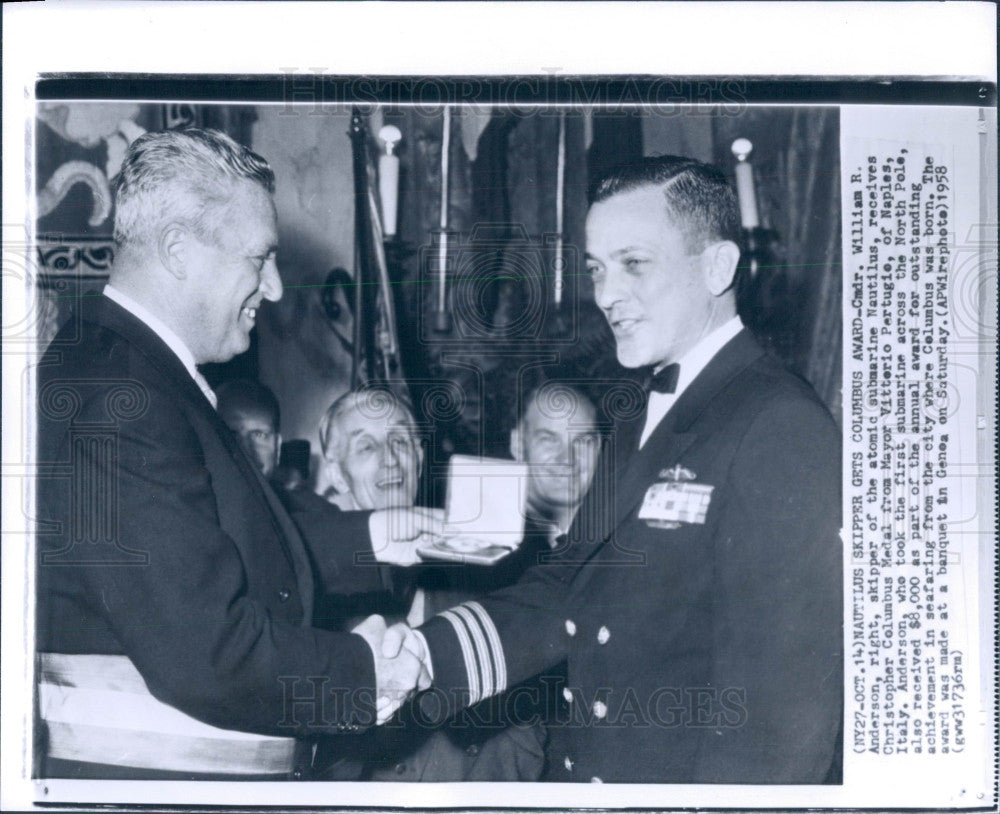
(555,397)
(246,395)
(698,197)
(554,386)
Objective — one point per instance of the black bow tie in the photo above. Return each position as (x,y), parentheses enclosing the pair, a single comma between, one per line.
(666,380)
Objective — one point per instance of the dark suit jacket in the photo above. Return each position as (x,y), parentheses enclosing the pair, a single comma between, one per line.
(706,653)
(159,540)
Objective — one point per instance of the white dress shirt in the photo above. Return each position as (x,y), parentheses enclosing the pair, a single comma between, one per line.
(691,364)
(173,341)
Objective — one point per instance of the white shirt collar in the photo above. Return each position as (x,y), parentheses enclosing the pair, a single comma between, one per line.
(691,364)
(173,341)
(697,359)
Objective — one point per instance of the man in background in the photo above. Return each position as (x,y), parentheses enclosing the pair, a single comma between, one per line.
(371,453)
(251,411)
(557,436)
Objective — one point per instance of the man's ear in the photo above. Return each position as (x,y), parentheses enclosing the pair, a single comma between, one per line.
(718,265)
(516,449)
(337,477)
(420,455)
(172,247)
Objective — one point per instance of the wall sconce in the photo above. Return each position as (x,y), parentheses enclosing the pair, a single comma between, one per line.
(756,239)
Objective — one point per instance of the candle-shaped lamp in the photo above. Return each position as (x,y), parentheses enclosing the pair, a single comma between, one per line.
(445,150)
(744,184)
(388,178)
(557,292)
(442,320)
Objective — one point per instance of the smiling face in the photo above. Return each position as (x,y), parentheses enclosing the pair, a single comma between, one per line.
(652,291)
(230,274)
(559,440)
(377,459)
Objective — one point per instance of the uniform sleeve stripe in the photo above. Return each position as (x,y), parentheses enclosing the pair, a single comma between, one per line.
(485,657)
(483,670)
(496,648)
(465,643)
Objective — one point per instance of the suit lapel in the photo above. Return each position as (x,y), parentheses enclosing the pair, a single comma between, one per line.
(111,315)
(671,437)
(730,361)
(633,470)
(285,529)
(108,313)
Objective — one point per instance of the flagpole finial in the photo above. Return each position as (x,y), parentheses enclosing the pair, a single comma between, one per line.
(742,148)
(391,136)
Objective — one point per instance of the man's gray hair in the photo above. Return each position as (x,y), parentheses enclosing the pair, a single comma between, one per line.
(372,402)
(182,176)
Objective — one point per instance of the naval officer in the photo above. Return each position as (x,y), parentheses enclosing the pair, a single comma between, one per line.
(697,599)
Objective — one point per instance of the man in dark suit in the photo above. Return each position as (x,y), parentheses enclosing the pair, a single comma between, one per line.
(698,598)
(174,591)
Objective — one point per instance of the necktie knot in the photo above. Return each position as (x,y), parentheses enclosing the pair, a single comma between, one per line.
(666,380)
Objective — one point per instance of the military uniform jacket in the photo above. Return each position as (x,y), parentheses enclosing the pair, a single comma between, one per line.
(158,540)
(702,650)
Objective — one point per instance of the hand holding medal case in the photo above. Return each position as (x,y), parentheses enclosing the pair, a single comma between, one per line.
(484,516)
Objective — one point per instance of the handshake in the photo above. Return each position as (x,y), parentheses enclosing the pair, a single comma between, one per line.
(402,663)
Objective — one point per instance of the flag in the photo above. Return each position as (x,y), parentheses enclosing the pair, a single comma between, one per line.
(473,120)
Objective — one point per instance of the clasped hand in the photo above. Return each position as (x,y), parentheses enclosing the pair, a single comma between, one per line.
(402,664)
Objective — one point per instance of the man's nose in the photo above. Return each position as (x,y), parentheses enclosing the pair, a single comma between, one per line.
(270,282)
(609,290)
(390,457)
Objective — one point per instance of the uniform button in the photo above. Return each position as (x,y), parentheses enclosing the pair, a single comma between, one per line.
(603,635)
(571,627)
(297,774)
(568,763)
(284,594)
(472,751)
(400,768)
(596,780)
(600,709)
(568,694)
